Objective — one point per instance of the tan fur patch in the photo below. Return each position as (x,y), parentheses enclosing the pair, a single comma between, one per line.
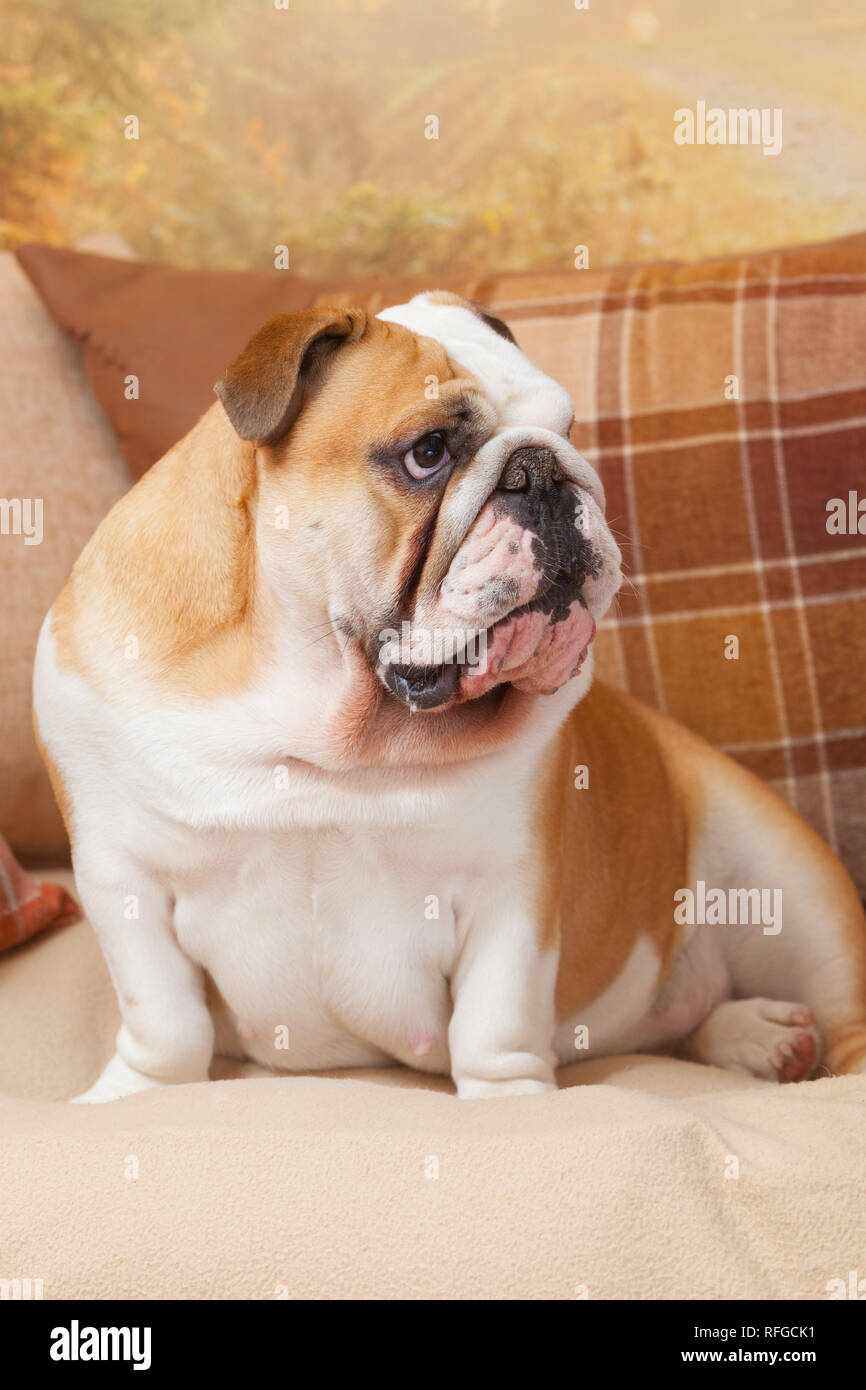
(844,1049)
(611,855)
(170,595)
(624,846)
(166,592)
(706,779)
(449,297)
(353,524)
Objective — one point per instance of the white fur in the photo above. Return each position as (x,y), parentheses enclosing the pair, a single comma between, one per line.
(520,392)
(304,906)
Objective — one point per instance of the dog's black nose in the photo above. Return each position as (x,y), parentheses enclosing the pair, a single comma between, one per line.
(532,468)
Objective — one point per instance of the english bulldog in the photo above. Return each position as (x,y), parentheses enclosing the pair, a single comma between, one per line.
(312,701)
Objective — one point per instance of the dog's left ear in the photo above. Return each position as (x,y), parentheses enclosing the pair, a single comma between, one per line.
(493,322)
(264,389)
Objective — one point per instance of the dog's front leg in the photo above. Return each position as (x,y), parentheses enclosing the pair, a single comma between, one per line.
(167,1031)
(502,1025)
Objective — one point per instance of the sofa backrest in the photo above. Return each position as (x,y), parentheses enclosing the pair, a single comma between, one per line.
(60,472)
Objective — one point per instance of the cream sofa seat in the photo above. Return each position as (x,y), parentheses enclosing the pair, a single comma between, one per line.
(641,1178)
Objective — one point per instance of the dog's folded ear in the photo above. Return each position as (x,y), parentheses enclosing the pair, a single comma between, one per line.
(265,387)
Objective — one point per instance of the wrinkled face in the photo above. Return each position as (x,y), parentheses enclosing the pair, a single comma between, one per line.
(514,591)
(438,519)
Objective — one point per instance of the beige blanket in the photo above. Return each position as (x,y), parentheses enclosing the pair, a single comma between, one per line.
(641,1178)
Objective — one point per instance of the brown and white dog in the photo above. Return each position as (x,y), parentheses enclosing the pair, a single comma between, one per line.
(312,701)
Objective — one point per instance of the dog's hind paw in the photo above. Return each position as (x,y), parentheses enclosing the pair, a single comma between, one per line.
(759,1037)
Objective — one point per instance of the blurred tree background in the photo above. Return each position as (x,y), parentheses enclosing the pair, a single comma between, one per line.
(306,126)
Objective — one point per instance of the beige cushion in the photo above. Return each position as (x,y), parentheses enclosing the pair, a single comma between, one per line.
(55,445)
(641,1178)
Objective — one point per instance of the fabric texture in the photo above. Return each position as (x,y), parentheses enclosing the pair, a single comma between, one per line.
(59,466)
(26,906)
(641,1177)
(724,405)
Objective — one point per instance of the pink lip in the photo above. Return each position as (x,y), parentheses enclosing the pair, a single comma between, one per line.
(531,651)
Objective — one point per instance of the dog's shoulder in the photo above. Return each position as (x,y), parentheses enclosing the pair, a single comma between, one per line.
(162,591)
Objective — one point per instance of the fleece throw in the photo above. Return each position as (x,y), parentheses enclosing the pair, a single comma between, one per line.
(641,1177)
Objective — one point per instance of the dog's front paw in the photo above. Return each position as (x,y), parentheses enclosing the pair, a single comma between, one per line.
(116,1081)
(471,1088)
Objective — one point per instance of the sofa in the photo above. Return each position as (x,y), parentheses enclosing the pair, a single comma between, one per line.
(725,405)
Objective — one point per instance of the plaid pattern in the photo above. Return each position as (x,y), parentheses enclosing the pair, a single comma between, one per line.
(721,504)
(720,501)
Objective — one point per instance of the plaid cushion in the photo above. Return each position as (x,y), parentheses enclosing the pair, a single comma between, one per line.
(718,490)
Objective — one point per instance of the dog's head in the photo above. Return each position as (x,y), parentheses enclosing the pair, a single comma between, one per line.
(418,493)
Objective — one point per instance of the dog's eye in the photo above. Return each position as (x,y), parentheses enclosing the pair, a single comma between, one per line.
(427,456)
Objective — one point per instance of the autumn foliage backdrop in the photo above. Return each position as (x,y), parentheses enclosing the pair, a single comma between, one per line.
(305,126)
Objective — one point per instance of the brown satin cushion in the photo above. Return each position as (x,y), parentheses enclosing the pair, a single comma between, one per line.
(175,330)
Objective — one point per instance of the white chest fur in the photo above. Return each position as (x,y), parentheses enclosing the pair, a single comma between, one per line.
(330,947)
(328,921)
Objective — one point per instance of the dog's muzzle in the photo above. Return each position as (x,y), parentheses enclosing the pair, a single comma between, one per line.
(519,599)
